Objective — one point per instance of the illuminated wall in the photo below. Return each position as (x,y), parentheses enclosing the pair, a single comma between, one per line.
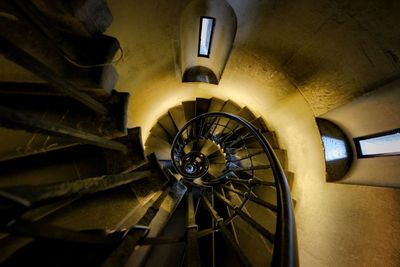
(279,48)
(337,224)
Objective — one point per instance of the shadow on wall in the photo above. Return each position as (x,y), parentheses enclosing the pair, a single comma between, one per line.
(372,113)
(246,81)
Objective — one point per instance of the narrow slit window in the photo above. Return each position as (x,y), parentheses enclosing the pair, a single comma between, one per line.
(205,36)
(378,145)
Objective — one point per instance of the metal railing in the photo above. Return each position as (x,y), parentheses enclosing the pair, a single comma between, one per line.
(248,156)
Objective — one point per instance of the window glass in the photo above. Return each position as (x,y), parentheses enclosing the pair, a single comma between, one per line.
(384,144)
(334,148)
(206,31)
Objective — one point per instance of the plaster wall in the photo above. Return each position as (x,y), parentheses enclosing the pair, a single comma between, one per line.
(282,47)
(346,46)
(222,37)
(338,225)
(372,113)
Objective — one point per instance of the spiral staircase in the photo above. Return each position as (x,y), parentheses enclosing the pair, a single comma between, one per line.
(229,162)
(210,192)
(78,188)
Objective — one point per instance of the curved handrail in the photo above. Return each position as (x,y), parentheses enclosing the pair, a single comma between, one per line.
(285,253)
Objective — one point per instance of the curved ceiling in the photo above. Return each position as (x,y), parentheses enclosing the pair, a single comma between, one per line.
(222,36)
(331,51)
(291,60)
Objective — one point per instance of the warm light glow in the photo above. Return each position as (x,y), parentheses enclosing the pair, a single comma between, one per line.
(247,87)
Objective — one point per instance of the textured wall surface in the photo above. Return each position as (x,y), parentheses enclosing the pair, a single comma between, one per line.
(376,112)
(333,51)
(337,224)
(292,60)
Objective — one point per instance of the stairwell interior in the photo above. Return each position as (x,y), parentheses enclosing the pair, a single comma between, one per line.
(91,112)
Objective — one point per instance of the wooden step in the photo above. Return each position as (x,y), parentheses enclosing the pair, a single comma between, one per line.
(254,147)
(120,257)
(14,119)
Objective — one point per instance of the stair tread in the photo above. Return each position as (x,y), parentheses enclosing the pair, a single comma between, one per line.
(202,105)
(161,219)
(160,147)
(155,141)
(189,108)
(231,107)
(265,175)
(178,116)
(209,148)
(280,153)
(216,105)
(43,143)
(259,123)
(118,162)
(244,231)
(168,125)
(246,114)
(160,154)
(101,79)
(170,254)
(97,211)
(159,131)
(271,138)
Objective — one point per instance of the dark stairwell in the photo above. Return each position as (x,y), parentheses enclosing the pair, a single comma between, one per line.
(225,166)
(78,186)
(206,188)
